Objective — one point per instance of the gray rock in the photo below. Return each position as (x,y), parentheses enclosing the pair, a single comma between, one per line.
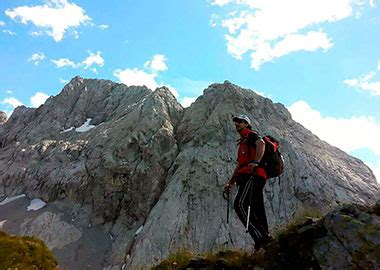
(49,227)
(148,161)
(3,117)
(353,239)
(330,254)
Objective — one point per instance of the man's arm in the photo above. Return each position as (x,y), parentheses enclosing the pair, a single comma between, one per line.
(232,181)
(260,149)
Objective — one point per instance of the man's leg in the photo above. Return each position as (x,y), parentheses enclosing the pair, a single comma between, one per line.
(258,215)
(242,201)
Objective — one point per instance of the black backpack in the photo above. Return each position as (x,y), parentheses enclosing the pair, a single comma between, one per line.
(272,160)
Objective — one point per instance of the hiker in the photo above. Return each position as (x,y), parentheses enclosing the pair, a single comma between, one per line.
(250,178)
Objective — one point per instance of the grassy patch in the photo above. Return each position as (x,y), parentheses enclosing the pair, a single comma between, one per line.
(298,218)
(177,260)
(232,259)
(24,253)
(228,259)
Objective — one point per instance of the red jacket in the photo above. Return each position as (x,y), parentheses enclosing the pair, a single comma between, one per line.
(245,156)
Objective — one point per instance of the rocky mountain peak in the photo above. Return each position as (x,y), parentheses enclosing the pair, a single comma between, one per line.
(164,91)
(137,170)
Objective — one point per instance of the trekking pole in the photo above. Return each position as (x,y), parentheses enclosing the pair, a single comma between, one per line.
(228,206)
(250,202)
(226,196)
(249,213)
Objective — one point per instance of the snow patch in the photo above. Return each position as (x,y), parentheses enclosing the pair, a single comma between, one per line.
(68,130)
(2,223)
(139,230)
(11,199)
(140,103)
(36,204)
(83,128)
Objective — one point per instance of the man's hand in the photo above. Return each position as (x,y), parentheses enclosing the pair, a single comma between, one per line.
(227,189)
(252,166)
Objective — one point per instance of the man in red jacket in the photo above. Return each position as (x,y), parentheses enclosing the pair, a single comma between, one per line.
(250,178)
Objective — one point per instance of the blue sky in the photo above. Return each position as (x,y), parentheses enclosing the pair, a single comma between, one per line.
(319,58)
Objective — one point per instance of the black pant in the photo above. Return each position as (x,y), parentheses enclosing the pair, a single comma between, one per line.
(250,193)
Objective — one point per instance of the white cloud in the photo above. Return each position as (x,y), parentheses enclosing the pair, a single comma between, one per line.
(291,43)
(157,63)
(88,63)
(9,91)
(2,23)
(38,99)
(54,18)
(221,2)
(213,20)
(364,83)
(63,81)
(36,58)
(187,101)
(140,77)
(270,29)
(259,93)
(36,33)
(93,59)
(12,102)
(103,26)
(338,131)
(76,34)
(136,77)
(64,62)
(7,31)
(375,167)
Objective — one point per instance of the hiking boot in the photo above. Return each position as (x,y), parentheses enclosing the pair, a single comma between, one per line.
(264,242)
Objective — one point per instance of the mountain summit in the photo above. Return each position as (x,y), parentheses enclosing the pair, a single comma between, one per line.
(130,176)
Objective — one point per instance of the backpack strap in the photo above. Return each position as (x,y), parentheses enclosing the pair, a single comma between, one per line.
(250,142)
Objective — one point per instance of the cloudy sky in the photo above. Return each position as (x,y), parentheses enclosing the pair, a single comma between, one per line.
(319,58)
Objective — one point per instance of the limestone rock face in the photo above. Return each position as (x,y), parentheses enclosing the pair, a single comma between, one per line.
(316,174)
(150,173)
(3,117)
